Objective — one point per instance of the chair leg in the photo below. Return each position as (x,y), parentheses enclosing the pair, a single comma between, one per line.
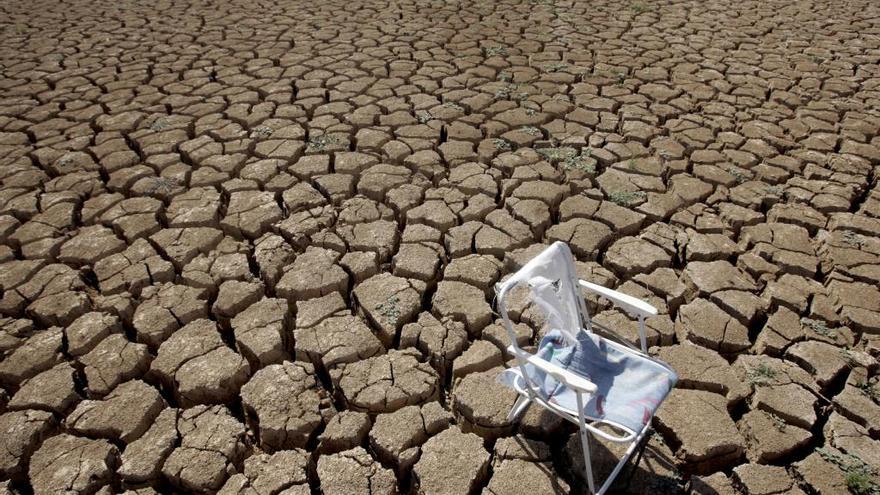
(521,404)
(641,445)
(585,445)
(622,463)
(588,460)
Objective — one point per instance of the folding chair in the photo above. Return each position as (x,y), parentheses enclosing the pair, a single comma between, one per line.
(583,377)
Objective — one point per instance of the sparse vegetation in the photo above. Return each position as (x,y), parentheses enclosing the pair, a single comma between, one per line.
(638,8)
(583,162)
(778,422)
(509,91)
(774,190)
(65,160)
(454,106)
(557,153)
(555,67)
(531,130)
(163,185)
(870,390)
(424,116)
(502,144)
(862,483)
(817,326)
(321,143)
(737,174)
(848,357)
(626,198)
(504,92)
(160,124)
(760,375)
(491,51)
(261,132)
(861,479)
(390,310)
(853,239)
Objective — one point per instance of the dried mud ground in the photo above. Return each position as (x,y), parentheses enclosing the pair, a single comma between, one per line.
(249,247)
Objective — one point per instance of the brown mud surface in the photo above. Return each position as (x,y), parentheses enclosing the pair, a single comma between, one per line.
(249,247)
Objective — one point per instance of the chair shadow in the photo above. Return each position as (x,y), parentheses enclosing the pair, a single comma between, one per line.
(655,473)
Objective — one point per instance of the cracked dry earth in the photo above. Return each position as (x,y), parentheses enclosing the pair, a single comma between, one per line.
(249,247)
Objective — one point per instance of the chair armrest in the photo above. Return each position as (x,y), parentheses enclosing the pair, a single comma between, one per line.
(630,304)
(571,380)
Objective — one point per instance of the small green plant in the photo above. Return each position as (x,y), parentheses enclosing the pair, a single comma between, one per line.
(503,92)
(531,130)
(853,239)
(502,144)
(65,160)
(760,375)
(626,198)
(849,358)
(261,132)
(504,76)
(861,483)
(870,390)
(555,67)
(817,326)
(509,91)
(860,477)
(665,156)
(583,166)
(159,124)
(453,106)
(582,162)
(320,143)
(557,153)
(424,116)
(638,8)
(778,422)
(774,190)
(816,59)
(631,164)
(491,51)
(163,185)
(390,310)
(621,79)
(737,174)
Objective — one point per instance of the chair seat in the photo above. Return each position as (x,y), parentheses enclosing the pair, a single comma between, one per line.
(630,387)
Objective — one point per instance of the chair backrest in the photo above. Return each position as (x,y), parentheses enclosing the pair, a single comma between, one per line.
(553,289)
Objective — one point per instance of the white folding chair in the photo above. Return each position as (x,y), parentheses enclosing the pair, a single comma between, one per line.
(577,374)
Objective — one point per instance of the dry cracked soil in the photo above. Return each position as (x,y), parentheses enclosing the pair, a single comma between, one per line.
(249,247)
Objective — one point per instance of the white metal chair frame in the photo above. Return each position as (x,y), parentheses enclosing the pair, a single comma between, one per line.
(582,386)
